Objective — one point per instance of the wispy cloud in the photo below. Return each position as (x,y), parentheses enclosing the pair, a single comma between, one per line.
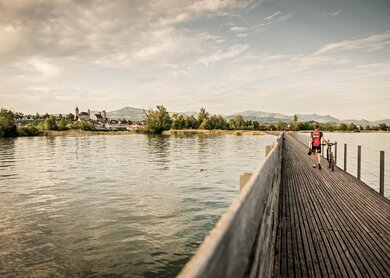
(238,29)
(221,55)
(270,20)
(266,23)
(335,13)
(371,43)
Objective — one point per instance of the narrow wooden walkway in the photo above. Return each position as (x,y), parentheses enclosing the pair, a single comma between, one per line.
(330,224)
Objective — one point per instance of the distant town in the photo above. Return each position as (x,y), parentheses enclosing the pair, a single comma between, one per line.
(98,121)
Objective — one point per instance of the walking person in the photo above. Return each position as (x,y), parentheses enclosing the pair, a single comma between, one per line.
(316,138)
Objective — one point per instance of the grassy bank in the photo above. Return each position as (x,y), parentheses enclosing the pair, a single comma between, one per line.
(212,132)
(77,132)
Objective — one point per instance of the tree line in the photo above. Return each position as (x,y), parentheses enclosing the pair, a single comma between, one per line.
(160,120)
(8,127)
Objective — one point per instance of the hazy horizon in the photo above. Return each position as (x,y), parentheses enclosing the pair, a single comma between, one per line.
(288,57)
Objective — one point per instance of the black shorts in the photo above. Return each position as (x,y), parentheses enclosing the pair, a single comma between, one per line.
(316,149)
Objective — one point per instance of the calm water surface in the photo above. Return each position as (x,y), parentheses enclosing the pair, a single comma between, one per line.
(131,206)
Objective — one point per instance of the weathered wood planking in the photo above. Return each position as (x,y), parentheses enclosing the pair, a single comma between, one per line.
(329,223)
(243,240)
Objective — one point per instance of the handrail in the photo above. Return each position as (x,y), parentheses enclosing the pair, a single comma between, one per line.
(242,242)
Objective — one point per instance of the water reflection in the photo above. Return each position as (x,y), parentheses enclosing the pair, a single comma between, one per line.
(115,205)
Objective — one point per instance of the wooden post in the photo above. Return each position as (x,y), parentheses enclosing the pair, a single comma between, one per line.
(382,173)
(359,162)
(335,153)
(345,157)
(244,180)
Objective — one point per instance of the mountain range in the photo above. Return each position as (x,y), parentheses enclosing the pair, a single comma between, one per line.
(138,114)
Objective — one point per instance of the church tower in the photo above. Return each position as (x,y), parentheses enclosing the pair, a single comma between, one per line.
(76,113)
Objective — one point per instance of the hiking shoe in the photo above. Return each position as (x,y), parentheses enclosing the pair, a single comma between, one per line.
(319,166)
(314,166)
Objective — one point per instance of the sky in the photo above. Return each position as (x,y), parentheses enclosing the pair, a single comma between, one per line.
(285,56)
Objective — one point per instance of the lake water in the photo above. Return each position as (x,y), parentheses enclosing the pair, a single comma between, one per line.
(371,145)
(121,206)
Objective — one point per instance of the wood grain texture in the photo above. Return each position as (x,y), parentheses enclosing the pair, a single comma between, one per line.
(329,223)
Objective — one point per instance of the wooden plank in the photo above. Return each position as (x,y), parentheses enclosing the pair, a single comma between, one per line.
(337,224)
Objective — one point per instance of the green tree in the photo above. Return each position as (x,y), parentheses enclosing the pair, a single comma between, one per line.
(179,122)
(383,127)
(272,127)
(50,123)
(368,127)
(158,121)
(352,127)
(18,115)
(37,116)
(86,126)
(202,116)
(281,126)
(256,125)
(70,117)
(237,122)
(191,122)
(7,123)
(295,118)
(342,127)
(28,130)
(214,122)
(63,124)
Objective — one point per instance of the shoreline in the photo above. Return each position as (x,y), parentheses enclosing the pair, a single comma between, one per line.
(212,132)
(84,133)
(182,132)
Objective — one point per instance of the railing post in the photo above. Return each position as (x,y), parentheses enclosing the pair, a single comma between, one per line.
(382,173)
(322,150)
(359,162)
(345,157)
(335,153)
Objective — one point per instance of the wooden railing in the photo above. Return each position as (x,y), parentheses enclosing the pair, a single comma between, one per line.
(242,243)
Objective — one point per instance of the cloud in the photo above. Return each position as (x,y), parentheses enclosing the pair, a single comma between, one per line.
(270,20)
(221,55)
(238,29)
(107,34)
(272,16)
(335,13)
(368,44)
(44,68)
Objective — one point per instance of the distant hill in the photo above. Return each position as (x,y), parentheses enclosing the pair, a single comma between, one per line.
(364,122)
(189,113)
(265,117)
(137,114)
(128,113)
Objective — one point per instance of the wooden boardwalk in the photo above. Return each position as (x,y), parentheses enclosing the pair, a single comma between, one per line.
(330,223)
